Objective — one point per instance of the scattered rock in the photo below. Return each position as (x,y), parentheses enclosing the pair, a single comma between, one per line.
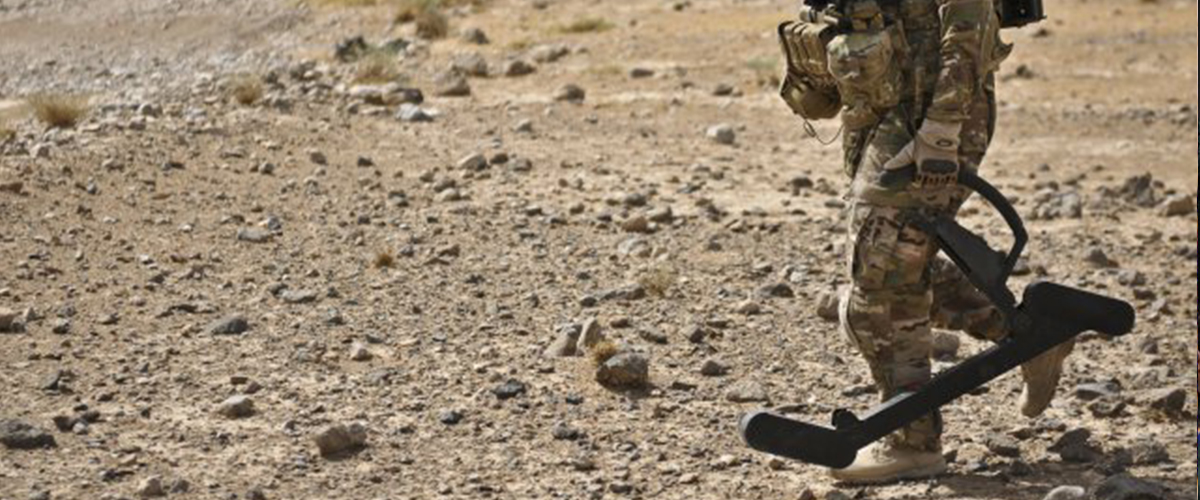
(451,84)
(450,417)
(828,304)
(475,36)
(590,335)
(17,435)
(471,65)
(747,391)
(625,370)
(1097,257)
(517,67)
(254,235)
(570,93)
(412,113)
(9,321)
(713,368)
(566,338)
(946,346)
(1178,206)
(338,439)
(359,352)
(474,162)
(509,390)
(229,325)
(236,407)
(1169,401)
(776,290)
(722,134)
(1126,487)
(1076,446)
(151,487)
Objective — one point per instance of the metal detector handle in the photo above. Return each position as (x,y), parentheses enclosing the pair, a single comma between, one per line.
(969,180)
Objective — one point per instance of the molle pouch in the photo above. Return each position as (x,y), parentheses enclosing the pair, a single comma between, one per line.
(864,64)
(807,86)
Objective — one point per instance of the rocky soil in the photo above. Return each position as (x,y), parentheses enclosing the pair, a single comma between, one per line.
(401,287)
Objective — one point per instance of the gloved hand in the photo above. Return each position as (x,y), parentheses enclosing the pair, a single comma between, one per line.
(934,152)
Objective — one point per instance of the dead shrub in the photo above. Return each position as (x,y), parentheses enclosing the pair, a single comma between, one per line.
(384,260)
(604,351)
(658,280)
(376,67)
(59,110)
(246,89)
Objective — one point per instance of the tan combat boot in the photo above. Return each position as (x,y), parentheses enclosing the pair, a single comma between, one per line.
(884,462)
(1041,379)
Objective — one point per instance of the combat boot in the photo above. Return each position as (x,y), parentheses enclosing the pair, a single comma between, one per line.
(1041,376)
(885,462)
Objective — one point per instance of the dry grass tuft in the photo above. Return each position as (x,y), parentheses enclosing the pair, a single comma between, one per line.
(246,89)
(604,351)
(59,110)
(658,280)
(6,131)
(384,260)
(376,67)
(432,24)
(587,25)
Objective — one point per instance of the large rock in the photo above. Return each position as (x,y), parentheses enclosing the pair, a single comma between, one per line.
(338,439)
(1126,487)
(17,435)
(1066,493)
(1179,205)
(625,370)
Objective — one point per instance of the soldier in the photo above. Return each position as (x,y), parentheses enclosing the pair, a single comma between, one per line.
(916,80)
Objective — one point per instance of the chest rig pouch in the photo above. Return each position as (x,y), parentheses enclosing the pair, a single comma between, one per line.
(807,86)
(865,62)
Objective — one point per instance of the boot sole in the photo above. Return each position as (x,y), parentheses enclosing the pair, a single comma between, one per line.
(926,472)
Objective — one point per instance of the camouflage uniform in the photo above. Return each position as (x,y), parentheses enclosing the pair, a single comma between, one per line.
(900,290)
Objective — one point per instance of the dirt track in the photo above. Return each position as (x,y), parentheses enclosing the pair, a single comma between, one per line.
(126,231)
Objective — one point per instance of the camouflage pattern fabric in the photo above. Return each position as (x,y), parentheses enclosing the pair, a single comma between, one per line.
(900,289)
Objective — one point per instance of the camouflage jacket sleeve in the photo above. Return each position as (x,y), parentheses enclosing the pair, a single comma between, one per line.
(968,32)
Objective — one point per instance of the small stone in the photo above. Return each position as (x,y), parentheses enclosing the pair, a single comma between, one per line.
(254,235)
(299,296)
(748,307)
(1066,493)
(471,65)
(776,290)
(1149,452)
(1002,445)
(747,391)
(946,346)
(625,370)
(570,93)
(337,439)
(411,113)
(180,486)
(17,435)
(236,407)
(636,224)
(1168,401)
(523,127)
(317,157)
(722,134)
(1178,206)
(450,417)
(151,487)
(229,325)
(359,352)
(696,334)
(565,341)
(652,335)
(474,162)
(590,334)
(60,326)
(827,306)
(9,322)
(517,67)
(564,432)
(1076,446)
(509,390)
(713,368)
(451,84)
(1097,390)
(1096,257)
(637,73)
(475,36)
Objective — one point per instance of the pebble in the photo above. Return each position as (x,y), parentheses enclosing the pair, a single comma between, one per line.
(254,235)
(229,325)
(151,487)
(473,162)
(236,407)
(337,439)
(412,113)
(517,67)
(475,36)
(827,306)
(570,93)
(590,334)
(625,370)
(713,368)
(722,134)
(1178,206)
(1126,487)
(747,391)
(359,352)
(9,322)
(450,417)
(509,390)
(452,83)
(946,346)
(566,337)
(472,64)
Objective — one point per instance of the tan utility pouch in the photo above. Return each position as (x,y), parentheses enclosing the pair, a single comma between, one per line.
(864,64)
(807,86)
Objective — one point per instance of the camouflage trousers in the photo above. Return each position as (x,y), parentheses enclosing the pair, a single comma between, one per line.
(901,289)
